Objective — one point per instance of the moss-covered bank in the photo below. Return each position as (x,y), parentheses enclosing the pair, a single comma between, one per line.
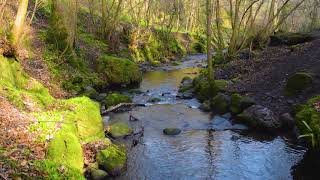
(64,124)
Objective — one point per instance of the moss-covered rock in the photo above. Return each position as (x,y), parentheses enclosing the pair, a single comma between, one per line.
(308,121)
(98,174)
(205,106)
(240,103)
(221,103)
(112,159)
(116,98)
(118,71)
(171,131)
(290,38)
(205,89)
(154,100)
(65,148)
(119,130)
(298,82)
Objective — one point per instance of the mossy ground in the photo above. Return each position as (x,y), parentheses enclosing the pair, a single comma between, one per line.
(64,123)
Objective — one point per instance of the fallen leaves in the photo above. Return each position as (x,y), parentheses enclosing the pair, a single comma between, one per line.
(18,145)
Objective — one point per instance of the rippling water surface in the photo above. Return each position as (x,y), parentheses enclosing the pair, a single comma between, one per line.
(209,147)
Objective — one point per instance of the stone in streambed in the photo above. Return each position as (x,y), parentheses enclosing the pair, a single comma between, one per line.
(118,130)
(154,100)
(171,131)
(260,117)
(98,174)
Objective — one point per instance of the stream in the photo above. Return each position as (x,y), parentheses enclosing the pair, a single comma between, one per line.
(209,147)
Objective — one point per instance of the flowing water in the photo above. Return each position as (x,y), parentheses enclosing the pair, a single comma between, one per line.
(209,147)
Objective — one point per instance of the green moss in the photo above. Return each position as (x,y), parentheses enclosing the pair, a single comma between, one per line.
(240,103)
(112,159)
(309,115)
(220,103)
(65,148)
(116,98)
(236,103)
(298,82)
(19,88)
(206,90)
(119,130)
(118,71)
(53,171)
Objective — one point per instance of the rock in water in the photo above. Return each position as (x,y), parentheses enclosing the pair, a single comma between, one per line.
(112,159)
(260,117)
(118,130)
(98,174)
(171,131)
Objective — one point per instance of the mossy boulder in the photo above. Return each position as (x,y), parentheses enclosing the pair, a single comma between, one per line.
(290,38)
(119,130)
(221,103)
(171,131)
(66,149)
(90,92)
(116,98)
(205,106)
(98,174)
(116,71)
(154,100)
(240,103)
(112,159)
(205,89)
(309,115)
(298,82)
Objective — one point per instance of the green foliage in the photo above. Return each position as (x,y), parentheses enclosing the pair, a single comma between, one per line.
(118,71)
(116,98)
(119,130)
(308,122)
(298,82)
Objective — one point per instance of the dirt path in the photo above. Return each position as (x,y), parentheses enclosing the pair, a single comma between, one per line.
(264,77)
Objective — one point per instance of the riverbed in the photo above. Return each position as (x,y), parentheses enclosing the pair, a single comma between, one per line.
(209,147)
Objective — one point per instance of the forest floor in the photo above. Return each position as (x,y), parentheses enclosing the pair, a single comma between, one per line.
(264,76)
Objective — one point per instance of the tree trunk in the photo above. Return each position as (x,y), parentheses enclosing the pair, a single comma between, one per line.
(18,26)
(209,34)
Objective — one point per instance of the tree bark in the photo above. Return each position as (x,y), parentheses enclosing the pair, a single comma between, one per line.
(18,26)
(209,36)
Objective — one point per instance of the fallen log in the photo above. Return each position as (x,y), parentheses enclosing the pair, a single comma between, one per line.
(121,107)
